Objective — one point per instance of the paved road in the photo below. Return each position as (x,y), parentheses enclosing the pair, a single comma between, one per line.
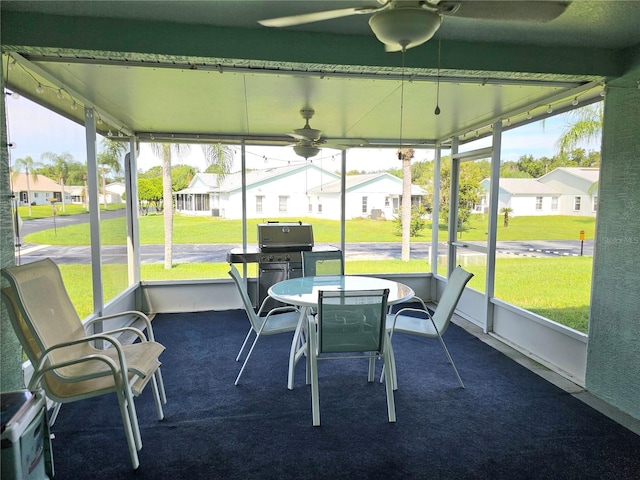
(218,252)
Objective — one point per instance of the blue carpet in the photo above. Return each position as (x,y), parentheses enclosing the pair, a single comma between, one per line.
(507,424)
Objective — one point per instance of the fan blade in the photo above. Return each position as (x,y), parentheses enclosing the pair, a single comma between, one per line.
(317,16)
(530,11)
(309,134)
(343,143)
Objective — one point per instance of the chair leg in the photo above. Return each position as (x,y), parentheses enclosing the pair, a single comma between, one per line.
(391,405)
(392,360)
(446,351)
(315,393)
(247,359)
(54,414)
(295,347)
(128,423)
(156,397)
(163,395)
(246,339)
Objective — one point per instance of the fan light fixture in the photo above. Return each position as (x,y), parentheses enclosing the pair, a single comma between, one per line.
(403,28)
(306,151)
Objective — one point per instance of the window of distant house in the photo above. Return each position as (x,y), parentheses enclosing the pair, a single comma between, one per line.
(319,205)
(576,204)
(259,203)
(202,203)
(282,203)
(386,202)
(594,204)
(554,203)
(364,204)
(23,196)
(309,205)
(538,203)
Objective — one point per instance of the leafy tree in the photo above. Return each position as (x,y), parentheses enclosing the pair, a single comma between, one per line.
(155,171)
(150,193)
(28,165)
(417,221)
(471,173)
(109,161)
(60,169)
(181,176)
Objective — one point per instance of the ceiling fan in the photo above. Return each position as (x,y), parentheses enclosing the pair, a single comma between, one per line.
(310,140)
(403,24)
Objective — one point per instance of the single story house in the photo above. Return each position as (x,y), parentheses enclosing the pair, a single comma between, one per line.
(277,192)
(42,189)
(294,191)
(563,191)
(375,195)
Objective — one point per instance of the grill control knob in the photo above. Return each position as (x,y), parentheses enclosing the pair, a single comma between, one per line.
(271,258)
(287,258)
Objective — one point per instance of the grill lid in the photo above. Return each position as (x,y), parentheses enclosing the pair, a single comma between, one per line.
(285,236)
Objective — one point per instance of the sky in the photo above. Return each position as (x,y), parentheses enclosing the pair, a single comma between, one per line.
(34,130)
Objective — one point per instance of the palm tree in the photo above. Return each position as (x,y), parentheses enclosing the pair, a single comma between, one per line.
(29,166)
(406,154)
(586,126)
(219,159)
(506,211)
(164,151)
(109,160)
(60,167)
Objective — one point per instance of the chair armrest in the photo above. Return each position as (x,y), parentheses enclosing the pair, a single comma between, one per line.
(134,313)
(41,370)
(282,310)
(136,331)
(116,344)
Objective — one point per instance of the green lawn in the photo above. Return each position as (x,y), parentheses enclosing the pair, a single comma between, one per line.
(46,211)
(556,288)
(202,230)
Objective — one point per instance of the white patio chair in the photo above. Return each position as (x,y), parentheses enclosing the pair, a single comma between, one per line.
(350,324)
(277,320)
(419,321)
(67,365)
(315,264)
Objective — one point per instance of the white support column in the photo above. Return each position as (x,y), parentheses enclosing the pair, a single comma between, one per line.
(453,206)
(493,224)
(94,208)
(343,202)
(243,173)
(133,232)
(435,210)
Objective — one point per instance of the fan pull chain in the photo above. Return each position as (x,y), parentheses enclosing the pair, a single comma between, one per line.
(437,110)
(401,104)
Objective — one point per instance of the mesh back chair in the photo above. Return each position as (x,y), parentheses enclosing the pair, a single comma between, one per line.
(67,365)
(419,321)
(322,263)
(277,320)
(350,324)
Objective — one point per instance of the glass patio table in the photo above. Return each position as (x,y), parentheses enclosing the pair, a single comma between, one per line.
(303,292)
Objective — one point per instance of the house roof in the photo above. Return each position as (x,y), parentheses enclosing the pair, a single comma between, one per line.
(208,182)
(354,182)
(590,174)
(36,184)
(526,186)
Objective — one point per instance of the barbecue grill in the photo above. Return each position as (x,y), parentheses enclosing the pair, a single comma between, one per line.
(280,256)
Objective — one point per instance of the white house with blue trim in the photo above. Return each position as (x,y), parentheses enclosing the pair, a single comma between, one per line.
(293,191)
